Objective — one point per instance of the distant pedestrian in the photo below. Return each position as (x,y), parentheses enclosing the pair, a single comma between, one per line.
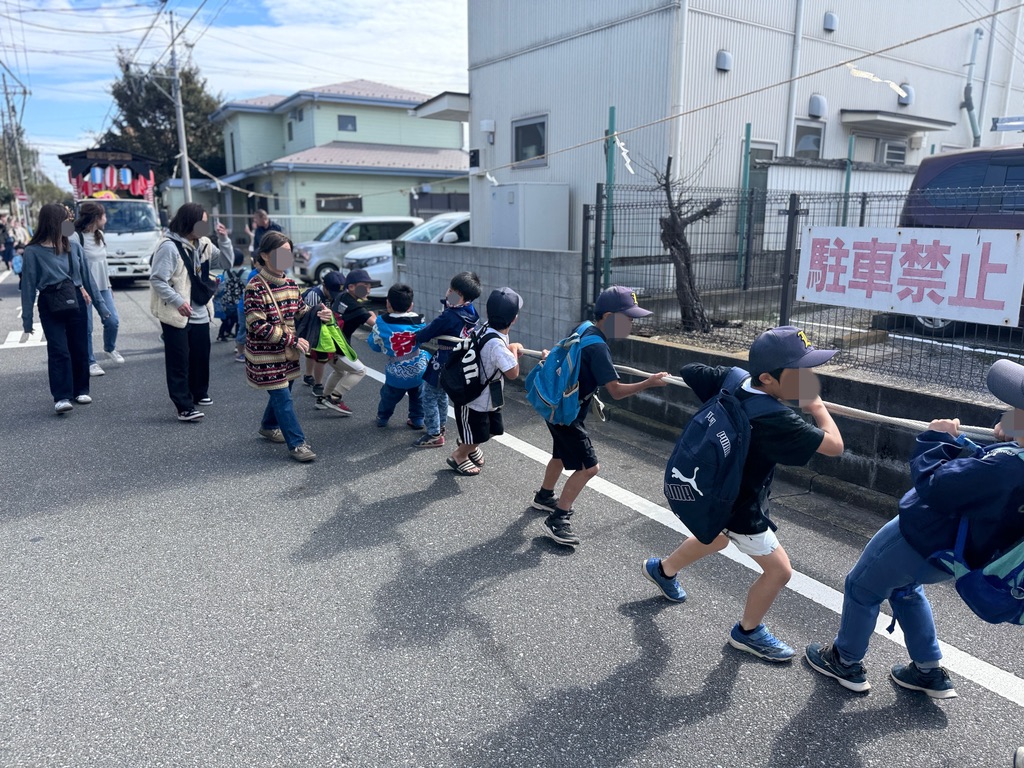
(181,298)
(92,218)
(458,316)
(776,365)
(571,448)
(952,479)
(272,347)
(54,265)
(480,419)
(263,225)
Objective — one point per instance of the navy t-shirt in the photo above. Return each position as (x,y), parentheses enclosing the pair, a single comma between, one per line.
(596,369)
(777,438)
(352,313)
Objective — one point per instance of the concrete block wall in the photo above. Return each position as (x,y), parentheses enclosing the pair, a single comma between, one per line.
(548,281)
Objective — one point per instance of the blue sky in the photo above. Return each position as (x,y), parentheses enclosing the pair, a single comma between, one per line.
(64,52)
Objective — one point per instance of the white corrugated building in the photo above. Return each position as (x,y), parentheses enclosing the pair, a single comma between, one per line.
(543,75)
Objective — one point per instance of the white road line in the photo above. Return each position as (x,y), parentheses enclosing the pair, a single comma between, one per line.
(999,681)
(14,340)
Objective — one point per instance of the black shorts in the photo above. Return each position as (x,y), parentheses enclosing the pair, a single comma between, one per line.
(571,445)
(318,357)
(477,427)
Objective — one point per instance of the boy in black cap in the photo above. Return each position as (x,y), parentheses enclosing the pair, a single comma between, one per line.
(480,419)
(778,363)
(953,478)
(325,293)
(614,312)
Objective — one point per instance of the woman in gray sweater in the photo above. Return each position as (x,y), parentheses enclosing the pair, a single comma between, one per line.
(55,268)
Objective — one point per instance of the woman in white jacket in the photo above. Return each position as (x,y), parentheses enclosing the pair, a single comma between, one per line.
(92,217)
(181,298)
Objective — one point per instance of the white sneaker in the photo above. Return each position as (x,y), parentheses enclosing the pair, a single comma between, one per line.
(115,357)
(63,406)
(95,370)
(83,399)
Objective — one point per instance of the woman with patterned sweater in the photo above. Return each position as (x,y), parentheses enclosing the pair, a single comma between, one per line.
(272,348)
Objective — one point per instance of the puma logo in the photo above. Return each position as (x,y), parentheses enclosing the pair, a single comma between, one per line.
(690,481)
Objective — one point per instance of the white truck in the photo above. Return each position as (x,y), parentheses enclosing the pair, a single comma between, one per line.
(132,233)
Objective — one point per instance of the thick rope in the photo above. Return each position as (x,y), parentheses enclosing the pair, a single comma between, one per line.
(975,433)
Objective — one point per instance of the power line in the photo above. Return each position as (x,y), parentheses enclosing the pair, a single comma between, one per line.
(67,31)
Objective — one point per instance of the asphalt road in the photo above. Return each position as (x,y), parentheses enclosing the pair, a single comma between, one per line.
(185,595)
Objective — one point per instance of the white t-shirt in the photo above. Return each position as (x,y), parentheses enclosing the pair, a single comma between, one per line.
(495,356)
(96,258)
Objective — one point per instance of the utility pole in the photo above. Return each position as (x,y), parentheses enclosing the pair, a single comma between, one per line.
(186,176)
(16,131)
(7,154)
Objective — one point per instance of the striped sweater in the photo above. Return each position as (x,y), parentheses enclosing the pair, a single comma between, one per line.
(268,333)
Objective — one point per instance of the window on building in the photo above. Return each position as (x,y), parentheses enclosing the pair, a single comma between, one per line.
(339,202)
(300,114)
(893,152)
(346,122)
(291,132)
(879,149)
(234,163)
(763,150)
(529,141)
(809,138)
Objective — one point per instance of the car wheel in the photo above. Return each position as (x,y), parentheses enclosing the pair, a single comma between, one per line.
(937,326)
(323,269)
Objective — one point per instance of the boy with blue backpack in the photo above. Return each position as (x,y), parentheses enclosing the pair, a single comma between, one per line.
(963,514)
(778,363)
(614,312)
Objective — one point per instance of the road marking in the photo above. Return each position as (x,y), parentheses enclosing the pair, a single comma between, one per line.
(31,340)
(999,681)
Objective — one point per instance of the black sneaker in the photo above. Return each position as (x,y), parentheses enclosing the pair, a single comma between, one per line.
(318,390)
(558,529)
(205,401)
(190,415)
(309,381)
(544,500)
(934,682)
(824,659)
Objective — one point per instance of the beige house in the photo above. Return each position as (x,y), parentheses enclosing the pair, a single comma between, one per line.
(348,149)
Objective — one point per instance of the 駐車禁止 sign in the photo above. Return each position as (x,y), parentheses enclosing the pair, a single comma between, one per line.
(972,275)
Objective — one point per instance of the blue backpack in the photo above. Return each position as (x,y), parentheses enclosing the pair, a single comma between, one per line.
(17,263)
(995,592)
(553,386)
(702,477)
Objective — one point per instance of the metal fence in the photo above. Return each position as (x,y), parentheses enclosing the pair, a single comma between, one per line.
(746,277)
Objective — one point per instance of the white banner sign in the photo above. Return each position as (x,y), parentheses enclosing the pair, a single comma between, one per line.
(972,275)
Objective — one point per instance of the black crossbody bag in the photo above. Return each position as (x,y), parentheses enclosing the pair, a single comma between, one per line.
(62,298)
(203,287)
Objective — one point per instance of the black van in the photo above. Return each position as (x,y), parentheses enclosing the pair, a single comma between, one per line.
(971,189)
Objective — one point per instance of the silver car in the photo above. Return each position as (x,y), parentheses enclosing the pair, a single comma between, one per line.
(326,252)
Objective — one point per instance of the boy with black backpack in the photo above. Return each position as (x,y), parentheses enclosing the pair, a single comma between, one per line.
(778,364)
(964,497)
(614,312)
(479,419)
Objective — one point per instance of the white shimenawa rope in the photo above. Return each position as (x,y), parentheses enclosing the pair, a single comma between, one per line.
(976,433)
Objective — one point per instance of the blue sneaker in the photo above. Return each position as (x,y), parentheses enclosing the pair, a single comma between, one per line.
(761,643)
(935,682)
(824,659)
(669,587)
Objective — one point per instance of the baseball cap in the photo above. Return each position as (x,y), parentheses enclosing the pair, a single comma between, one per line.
(619,298)
(360,276)
(333,281)
(784,347)
(1006,381)
(502,307)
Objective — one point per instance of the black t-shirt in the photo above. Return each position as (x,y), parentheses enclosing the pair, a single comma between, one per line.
(596,369)
(777,438)
(351,313)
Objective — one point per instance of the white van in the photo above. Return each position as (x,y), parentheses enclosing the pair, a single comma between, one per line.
(378,260)
(326,252)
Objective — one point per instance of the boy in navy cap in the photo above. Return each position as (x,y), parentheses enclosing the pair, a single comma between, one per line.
(350,312)
(614,312)
(480,419)
(953,478)
(779,364)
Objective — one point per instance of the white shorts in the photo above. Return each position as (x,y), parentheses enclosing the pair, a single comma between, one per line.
(755,545)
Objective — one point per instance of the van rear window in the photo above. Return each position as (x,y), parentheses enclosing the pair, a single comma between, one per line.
(959,186)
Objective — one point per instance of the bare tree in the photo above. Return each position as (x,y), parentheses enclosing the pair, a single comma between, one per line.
(682,212)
